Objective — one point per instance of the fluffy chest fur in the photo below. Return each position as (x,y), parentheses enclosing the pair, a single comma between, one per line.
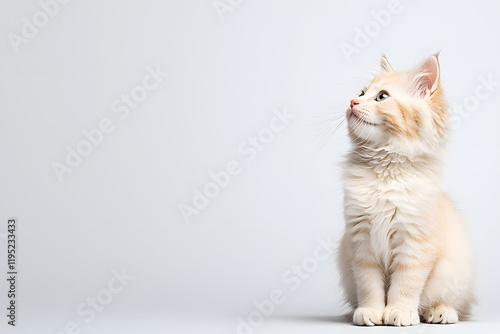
(386,198)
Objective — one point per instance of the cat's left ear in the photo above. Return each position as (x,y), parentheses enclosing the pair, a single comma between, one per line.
(425,80)
(385,65)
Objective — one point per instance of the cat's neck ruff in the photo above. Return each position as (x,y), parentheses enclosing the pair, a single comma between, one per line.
(393,164)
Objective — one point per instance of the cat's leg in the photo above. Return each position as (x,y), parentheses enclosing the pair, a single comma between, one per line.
(344,256)
(409,270)
(370,313)
(370,291)
(403,296)
(447,295)
(370,286)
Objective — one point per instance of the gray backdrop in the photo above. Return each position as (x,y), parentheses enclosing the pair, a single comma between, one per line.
(182,202)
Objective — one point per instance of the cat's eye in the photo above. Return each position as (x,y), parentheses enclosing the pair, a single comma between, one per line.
(382,96)
(362,93)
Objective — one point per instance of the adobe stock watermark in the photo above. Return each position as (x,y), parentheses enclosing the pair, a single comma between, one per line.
(98,302)
(292,278)
(30,27)
(364,36)
(484,90)
(223,6)
(248,150)
(122,107)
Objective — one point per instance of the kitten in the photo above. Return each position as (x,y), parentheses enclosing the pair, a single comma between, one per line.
(405,253)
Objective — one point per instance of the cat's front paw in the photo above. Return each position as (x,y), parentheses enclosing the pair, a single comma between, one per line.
(364,316)
(400,316)
(441,314)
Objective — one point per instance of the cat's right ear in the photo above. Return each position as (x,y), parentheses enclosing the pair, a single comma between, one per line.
(385,65)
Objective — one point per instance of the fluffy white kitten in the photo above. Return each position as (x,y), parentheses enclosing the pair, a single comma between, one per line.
(405,254)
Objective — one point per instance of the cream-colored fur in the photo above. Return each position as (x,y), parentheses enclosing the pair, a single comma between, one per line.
(405,253)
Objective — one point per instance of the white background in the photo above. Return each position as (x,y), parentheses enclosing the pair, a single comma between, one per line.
(120,207)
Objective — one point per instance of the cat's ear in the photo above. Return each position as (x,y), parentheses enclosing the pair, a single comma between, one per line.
(425,79)
(385,65)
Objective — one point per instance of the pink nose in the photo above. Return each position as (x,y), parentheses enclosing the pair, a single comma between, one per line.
(354,102)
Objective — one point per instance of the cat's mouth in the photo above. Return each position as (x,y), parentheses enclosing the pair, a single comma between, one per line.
(355,114)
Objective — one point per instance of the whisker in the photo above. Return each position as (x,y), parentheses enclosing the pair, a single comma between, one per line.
(331,135)
(324,127)
(321,122)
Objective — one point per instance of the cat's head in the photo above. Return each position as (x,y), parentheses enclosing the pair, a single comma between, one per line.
(402,112)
